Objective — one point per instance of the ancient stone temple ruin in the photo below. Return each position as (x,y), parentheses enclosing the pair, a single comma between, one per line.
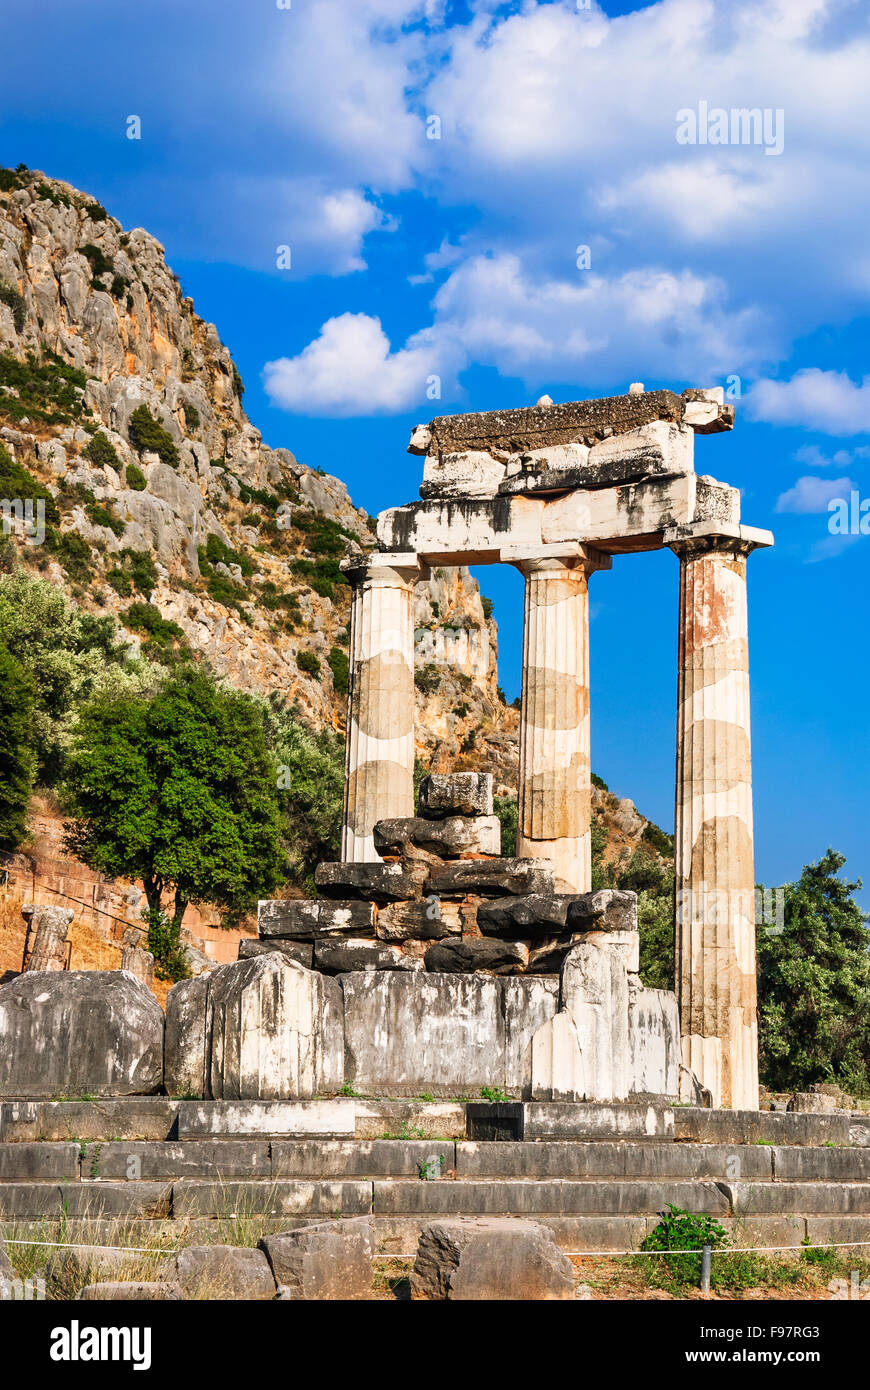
(557,491)
(429,964)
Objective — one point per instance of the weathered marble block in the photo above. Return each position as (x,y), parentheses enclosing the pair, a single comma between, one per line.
(304,920)
(66,1033)
(380,883)
(450,838)
(491,878)
(455,794)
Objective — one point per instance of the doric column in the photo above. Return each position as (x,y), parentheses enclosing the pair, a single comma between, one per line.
(715,882)
(379,762)
(555,779)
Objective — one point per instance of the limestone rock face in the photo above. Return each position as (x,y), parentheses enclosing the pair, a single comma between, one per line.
(490,1259)
(106,303)
(79,1032)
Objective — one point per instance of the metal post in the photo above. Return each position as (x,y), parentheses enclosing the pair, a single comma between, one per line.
(706,1259)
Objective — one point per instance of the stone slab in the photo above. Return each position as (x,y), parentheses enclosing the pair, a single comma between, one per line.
(604,1159)
(455,794)
(529,915)
(803,1198)
(430,920)
(430,1119)
(363,1159)
(337,957)
(265,1119)
(554,1120)
(146,1117)
(302,952)
(490,878)
(477,953)
(85,1199)
(751,1126)
(821,1164)
(521,1197)
(284,1197)
(309,921)
(323,1262)
(77,1032)
(453,837)
(42,1162)
(490,1260)
(534,427)
(131,1291)
(224,1158)
(380,883)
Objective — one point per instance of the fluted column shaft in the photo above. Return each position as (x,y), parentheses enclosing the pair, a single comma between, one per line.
(555,779)
(715,884)
(379,761)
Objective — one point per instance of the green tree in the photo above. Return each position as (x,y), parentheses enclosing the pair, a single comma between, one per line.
(655,921)
(311,788)
(70,655)
(814,984)
(17,757)
(177,789)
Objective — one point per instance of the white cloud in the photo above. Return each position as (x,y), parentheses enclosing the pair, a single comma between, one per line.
(830,402)
(349,369)
(812,455)
(811,494)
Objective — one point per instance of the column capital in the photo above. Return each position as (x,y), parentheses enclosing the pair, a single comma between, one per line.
(391,568)
(560,557)
(706,537)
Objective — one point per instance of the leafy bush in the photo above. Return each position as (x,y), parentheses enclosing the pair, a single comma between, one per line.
(164,640)
(135,571)
(119,286)
(216,552)
(73,552)
(309,662)
(135,478)
(323,536)
(178,789)
(322,575)
(101,452)
(486,605)
(13,179)
(70,656)
(599,782)
(100,515)
(17,482)
(507,810)
(191,416)
(15,300)
(338,665)
(48,392)
(164,942)
(687,1234)
(311,790)
(17,754)
(97,260)
(427,678)
(96,212)
(659,840)
(148,435)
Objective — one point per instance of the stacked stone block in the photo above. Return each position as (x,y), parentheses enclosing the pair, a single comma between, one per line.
(440,899)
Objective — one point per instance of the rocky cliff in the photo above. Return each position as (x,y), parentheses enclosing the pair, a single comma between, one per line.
(172,514)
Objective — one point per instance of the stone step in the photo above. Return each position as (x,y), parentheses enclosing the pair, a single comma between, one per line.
(158,1118)
(347,1159)
(409,1196)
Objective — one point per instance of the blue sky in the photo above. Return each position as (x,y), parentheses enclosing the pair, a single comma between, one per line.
(310,126)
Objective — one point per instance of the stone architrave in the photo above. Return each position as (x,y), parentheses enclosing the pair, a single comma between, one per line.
(47,946)
(715,880)
(379,768)
(555,776)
